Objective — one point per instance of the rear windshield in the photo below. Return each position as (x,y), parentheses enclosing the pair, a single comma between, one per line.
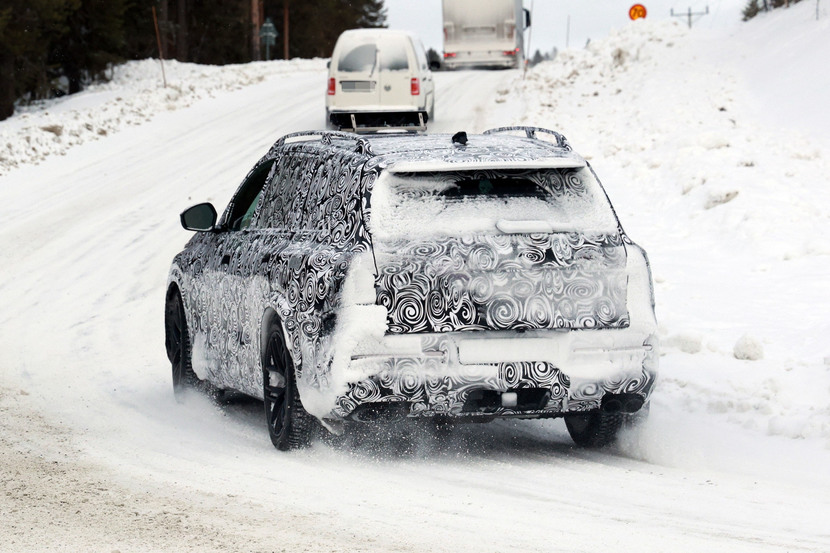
(357,58)
(389,54)
(412,205)
(393,56)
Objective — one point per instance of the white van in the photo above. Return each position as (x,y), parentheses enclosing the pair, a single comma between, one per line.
(379,78)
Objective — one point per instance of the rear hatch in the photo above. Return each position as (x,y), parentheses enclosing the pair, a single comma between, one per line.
(497,250)
(373,73)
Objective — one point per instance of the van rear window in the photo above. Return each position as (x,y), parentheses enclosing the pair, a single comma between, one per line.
(357,59)
(390,54)
(393,56)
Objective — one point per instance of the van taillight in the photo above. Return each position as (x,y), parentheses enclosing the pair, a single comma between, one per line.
(449,54)
(415,86)
(511,52)
(332,86)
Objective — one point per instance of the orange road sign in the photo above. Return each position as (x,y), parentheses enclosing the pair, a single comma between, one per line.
(637,11)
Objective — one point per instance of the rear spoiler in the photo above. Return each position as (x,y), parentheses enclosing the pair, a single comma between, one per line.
(373,121)
(474,164)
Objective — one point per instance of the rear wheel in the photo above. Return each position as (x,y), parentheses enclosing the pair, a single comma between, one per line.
(289,425)
(177,342)
(594,428)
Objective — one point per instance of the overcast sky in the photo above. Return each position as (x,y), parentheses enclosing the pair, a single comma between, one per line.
(588,18)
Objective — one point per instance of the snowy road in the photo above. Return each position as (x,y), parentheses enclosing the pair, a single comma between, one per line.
(97,455)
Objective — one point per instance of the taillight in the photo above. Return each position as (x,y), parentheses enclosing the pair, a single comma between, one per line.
(415,86)
(332,86)
(511,52)
(449,54)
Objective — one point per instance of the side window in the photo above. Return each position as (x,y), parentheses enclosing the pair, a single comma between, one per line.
(295,191)
(320,168)
(336,215)
(282,202)
(421,54)
(244,204)
(272,210)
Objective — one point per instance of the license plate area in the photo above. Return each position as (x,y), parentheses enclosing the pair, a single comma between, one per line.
(357,86)
(505,350)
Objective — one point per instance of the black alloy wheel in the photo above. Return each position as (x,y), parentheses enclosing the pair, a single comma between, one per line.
(289,425)
(594,428)
(177,342)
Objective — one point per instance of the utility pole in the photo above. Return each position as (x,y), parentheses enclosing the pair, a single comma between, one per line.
(568,31)
(161,50)
(689,14)
(256,23)
(285,28)
(529,36)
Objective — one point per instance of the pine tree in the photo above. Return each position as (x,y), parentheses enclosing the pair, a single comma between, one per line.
(139,30)
(433,57)
(314,25)
(751,10)
(27,28)
(93,41)
(218,32)
(42,41)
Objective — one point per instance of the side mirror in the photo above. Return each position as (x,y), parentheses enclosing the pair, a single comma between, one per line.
(200,217)
(434,65)
(527,17)
(328,64)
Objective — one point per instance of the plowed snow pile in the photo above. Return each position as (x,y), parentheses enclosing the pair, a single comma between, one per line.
(134,96)
(733,211)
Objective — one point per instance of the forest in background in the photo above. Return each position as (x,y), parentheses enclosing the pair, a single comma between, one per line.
(53,47)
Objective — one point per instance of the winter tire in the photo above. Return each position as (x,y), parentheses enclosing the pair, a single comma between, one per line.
(289,425)
(177,342)
(594,428)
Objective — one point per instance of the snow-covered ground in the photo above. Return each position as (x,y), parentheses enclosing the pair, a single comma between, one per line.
(717,165)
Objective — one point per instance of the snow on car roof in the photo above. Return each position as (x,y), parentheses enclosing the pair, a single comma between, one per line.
(437,152)
(409,152)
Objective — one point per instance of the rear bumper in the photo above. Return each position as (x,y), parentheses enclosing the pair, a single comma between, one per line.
(498,374)
(369,120)
(471,60)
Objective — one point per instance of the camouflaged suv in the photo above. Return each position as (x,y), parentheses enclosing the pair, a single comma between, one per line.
(394,276)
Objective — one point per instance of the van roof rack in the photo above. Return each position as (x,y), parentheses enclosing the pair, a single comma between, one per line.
(561,141)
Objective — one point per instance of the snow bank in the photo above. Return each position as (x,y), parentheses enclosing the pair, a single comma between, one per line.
(134,96)
(732,211)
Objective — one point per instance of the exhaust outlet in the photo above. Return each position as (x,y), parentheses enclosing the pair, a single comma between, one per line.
(633,404)
(622,403)
(612,405)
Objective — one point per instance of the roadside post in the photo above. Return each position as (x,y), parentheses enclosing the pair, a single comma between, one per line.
(268,36)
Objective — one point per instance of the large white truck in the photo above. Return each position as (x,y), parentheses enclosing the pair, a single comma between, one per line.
(484,33)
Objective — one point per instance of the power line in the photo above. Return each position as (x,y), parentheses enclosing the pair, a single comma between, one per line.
(690,14)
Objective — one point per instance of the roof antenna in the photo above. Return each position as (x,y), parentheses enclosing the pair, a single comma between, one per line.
(460,138)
